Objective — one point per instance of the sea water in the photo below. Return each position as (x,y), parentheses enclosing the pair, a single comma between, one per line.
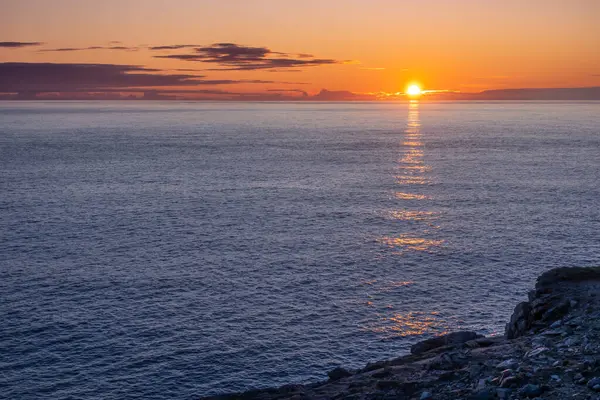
(165,250)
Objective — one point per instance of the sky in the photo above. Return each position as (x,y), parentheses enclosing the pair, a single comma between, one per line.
(289,48)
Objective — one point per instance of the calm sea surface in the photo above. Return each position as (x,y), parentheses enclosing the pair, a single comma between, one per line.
(173,250)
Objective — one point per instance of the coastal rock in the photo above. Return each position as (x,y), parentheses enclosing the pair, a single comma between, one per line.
(531,390)
(338,373)
(554,295)
(551,351)
(556,276)
(453,338)
(594,384)
(447,361)
(520,320)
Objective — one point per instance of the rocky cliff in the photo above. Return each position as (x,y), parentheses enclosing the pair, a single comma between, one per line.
(551,351)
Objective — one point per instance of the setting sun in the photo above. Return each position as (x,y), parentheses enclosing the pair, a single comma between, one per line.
(413,90)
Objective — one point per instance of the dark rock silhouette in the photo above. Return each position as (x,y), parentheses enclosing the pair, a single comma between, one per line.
(445,340)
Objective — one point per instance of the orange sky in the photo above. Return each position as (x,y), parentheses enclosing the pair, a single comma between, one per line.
(464,45)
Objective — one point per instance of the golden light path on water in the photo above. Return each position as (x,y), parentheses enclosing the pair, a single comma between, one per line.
(413,173)
(411,324)
(410,196)
(416,223)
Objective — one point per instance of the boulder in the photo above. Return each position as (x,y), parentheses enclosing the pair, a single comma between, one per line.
(338,373)
(520,321)
(453,338)
(550,300)
(531,391)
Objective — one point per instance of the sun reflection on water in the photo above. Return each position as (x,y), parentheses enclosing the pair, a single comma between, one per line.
(405,215)
(417,168)
(412,180)
(394,285)
(410,196)
(413,156)
(415,231)
(406,242)
(413,172)
(411,324)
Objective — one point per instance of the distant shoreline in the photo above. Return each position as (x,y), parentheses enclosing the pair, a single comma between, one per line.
(424,101)
(519,94)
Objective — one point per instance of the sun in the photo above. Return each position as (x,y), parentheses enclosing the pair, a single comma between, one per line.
(413,90)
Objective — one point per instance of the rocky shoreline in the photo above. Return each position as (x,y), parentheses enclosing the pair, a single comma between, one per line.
(551,351)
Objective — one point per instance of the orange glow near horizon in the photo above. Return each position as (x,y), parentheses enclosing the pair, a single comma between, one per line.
(348,45)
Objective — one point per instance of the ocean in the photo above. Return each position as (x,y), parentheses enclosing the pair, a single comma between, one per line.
(172,250)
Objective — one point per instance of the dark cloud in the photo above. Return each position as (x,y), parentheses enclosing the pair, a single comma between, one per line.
(48,77)
(302,92)
(64,49)
(174,47)
(184,57)
(273,70)
(188,69)
(234,57)
(16,45)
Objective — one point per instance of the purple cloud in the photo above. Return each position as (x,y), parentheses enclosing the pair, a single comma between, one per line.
(174,47)
(65,49)
(16,45)
(49,77)
(234,57)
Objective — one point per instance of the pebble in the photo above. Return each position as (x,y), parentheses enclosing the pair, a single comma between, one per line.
(575,322)
(475,370)
(503,394)
(573,303)
(555,378)
(556,324)
(553,332)
(485,394)
(594,384)
(508,364)
(506,373)
(536,352)
(426,396)
(530,390)
(510,381)
(571,341)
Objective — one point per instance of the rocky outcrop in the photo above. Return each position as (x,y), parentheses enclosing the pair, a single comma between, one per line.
(551,351)
(556,291)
